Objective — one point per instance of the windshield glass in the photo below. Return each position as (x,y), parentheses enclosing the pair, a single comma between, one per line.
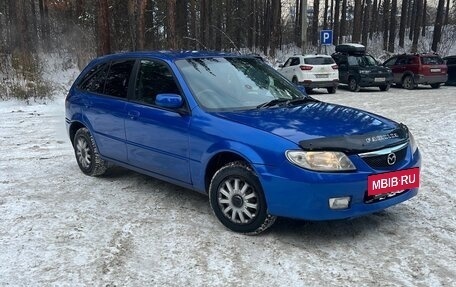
(363,61)
(234,83)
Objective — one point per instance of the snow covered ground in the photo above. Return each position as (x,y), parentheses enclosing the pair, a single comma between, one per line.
(60,227)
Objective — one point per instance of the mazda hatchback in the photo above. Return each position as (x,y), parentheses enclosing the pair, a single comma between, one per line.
(232,127)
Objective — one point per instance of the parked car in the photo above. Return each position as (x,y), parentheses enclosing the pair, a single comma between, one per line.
(233,128)
(451,64)
(409,70)
(312,71)
(358,69)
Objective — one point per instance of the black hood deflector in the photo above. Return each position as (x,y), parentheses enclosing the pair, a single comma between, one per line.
(351,144)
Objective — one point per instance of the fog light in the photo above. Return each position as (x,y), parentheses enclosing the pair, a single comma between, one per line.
(339,202)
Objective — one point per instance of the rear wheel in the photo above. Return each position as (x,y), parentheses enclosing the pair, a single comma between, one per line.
(385,88)
(408,82)
(331,90)
(353,85)
(87,155)
(237,199)
(435,86)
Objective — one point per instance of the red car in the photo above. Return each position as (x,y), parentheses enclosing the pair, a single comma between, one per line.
(409,70)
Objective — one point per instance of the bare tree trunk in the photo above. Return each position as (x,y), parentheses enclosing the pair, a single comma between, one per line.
(424,21)
(171,24)
(192,29)
(315,18)
(392,29)
(276,10)
(44,18)
(104,42)
(252,30)
(336,22)
(447,12)
(181,22)
(416,28)
(386,7)
(141,25)
(367,22)
(343,21)
(325,15)
(403,23)
(413,19)
(438,26)
(357,22)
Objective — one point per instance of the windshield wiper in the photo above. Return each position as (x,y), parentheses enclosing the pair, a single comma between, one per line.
(301,101)
(272,103)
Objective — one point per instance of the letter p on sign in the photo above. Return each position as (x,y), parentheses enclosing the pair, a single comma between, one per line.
(326,37)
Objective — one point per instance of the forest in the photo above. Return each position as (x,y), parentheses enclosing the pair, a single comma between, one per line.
(84,29)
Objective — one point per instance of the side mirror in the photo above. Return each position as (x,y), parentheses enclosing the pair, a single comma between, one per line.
(170,101)
(281,66)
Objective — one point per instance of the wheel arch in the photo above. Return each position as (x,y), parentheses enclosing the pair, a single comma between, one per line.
(74,127)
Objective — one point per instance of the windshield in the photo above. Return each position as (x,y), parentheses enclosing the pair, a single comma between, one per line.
(363,61)
(234,83)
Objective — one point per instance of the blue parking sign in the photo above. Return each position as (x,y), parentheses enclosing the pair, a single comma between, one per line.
(326,37)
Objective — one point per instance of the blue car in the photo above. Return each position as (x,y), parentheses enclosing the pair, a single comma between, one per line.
(232,127)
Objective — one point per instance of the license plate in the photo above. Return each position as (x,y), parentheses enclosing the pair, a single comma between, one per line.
(436,70)
(322,76)
(393,181)
(379,79)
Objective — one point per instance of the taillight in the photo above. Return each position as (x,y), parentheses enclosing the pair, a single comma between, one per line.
(335,67)
(305,68)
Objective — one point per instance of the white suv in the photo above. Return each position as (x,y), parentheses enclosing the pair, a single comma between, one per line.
(312,71)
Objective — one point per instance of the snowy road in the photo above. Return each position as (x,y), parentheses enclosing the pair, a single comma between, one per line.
(60,227)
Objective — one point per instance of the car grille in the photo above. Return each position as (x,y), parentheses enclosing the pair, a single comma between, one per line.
(381,161)
(380,197)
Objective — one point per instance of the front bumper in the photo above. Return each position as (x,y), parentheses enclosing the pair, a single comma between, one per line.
(370,81)
(297,193)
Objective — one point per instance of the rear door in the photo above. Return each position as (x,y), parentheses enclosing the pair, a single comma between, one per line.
(322,68)
(104,108)
(157,138)
(396,68)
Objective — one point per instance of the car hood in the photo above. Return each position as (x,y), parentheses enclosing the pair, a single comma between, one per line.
(323,126)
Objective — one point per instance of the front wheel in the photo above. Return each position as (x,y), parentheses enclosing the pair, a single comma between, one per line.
(237,199)
(408,82)
(435,86)
(87,155)
(385,88)
(331,90)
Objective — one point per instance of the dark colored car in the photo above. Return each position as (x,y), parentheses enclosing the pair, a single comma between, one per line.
(451,64)
(358,69)
(233,128)
(409,70)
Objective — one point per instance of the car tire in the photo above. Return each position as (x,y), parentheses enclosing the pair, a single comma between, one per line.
(353,85)
(294,80)
(435,86)
(87,155)
(408,82)
(237,199)
(331,90)
(385,88)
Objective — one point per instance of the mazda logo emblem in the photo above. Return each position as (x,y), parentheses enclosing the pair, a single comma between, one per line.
(391,158)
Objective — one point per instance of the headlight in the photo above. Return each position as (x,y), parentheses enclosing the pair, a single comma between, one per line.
(320,160)
(413,145)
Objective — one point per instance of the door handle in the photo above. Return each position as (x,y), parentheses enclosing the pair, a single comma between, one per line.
(133,114)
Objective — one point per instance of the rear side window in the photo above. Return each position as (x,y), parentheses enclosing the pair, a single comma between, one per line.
(94,80)
(431,60)
(154,78)
(319,61)
(294,61)
(391,62)
(117,79)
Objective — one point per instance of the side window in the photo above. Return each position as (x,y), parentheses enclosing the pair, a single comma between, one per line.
(390,62)
(352,61)
(287,63)
(94,80)
(117,79)
(154,77)
(294,61)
